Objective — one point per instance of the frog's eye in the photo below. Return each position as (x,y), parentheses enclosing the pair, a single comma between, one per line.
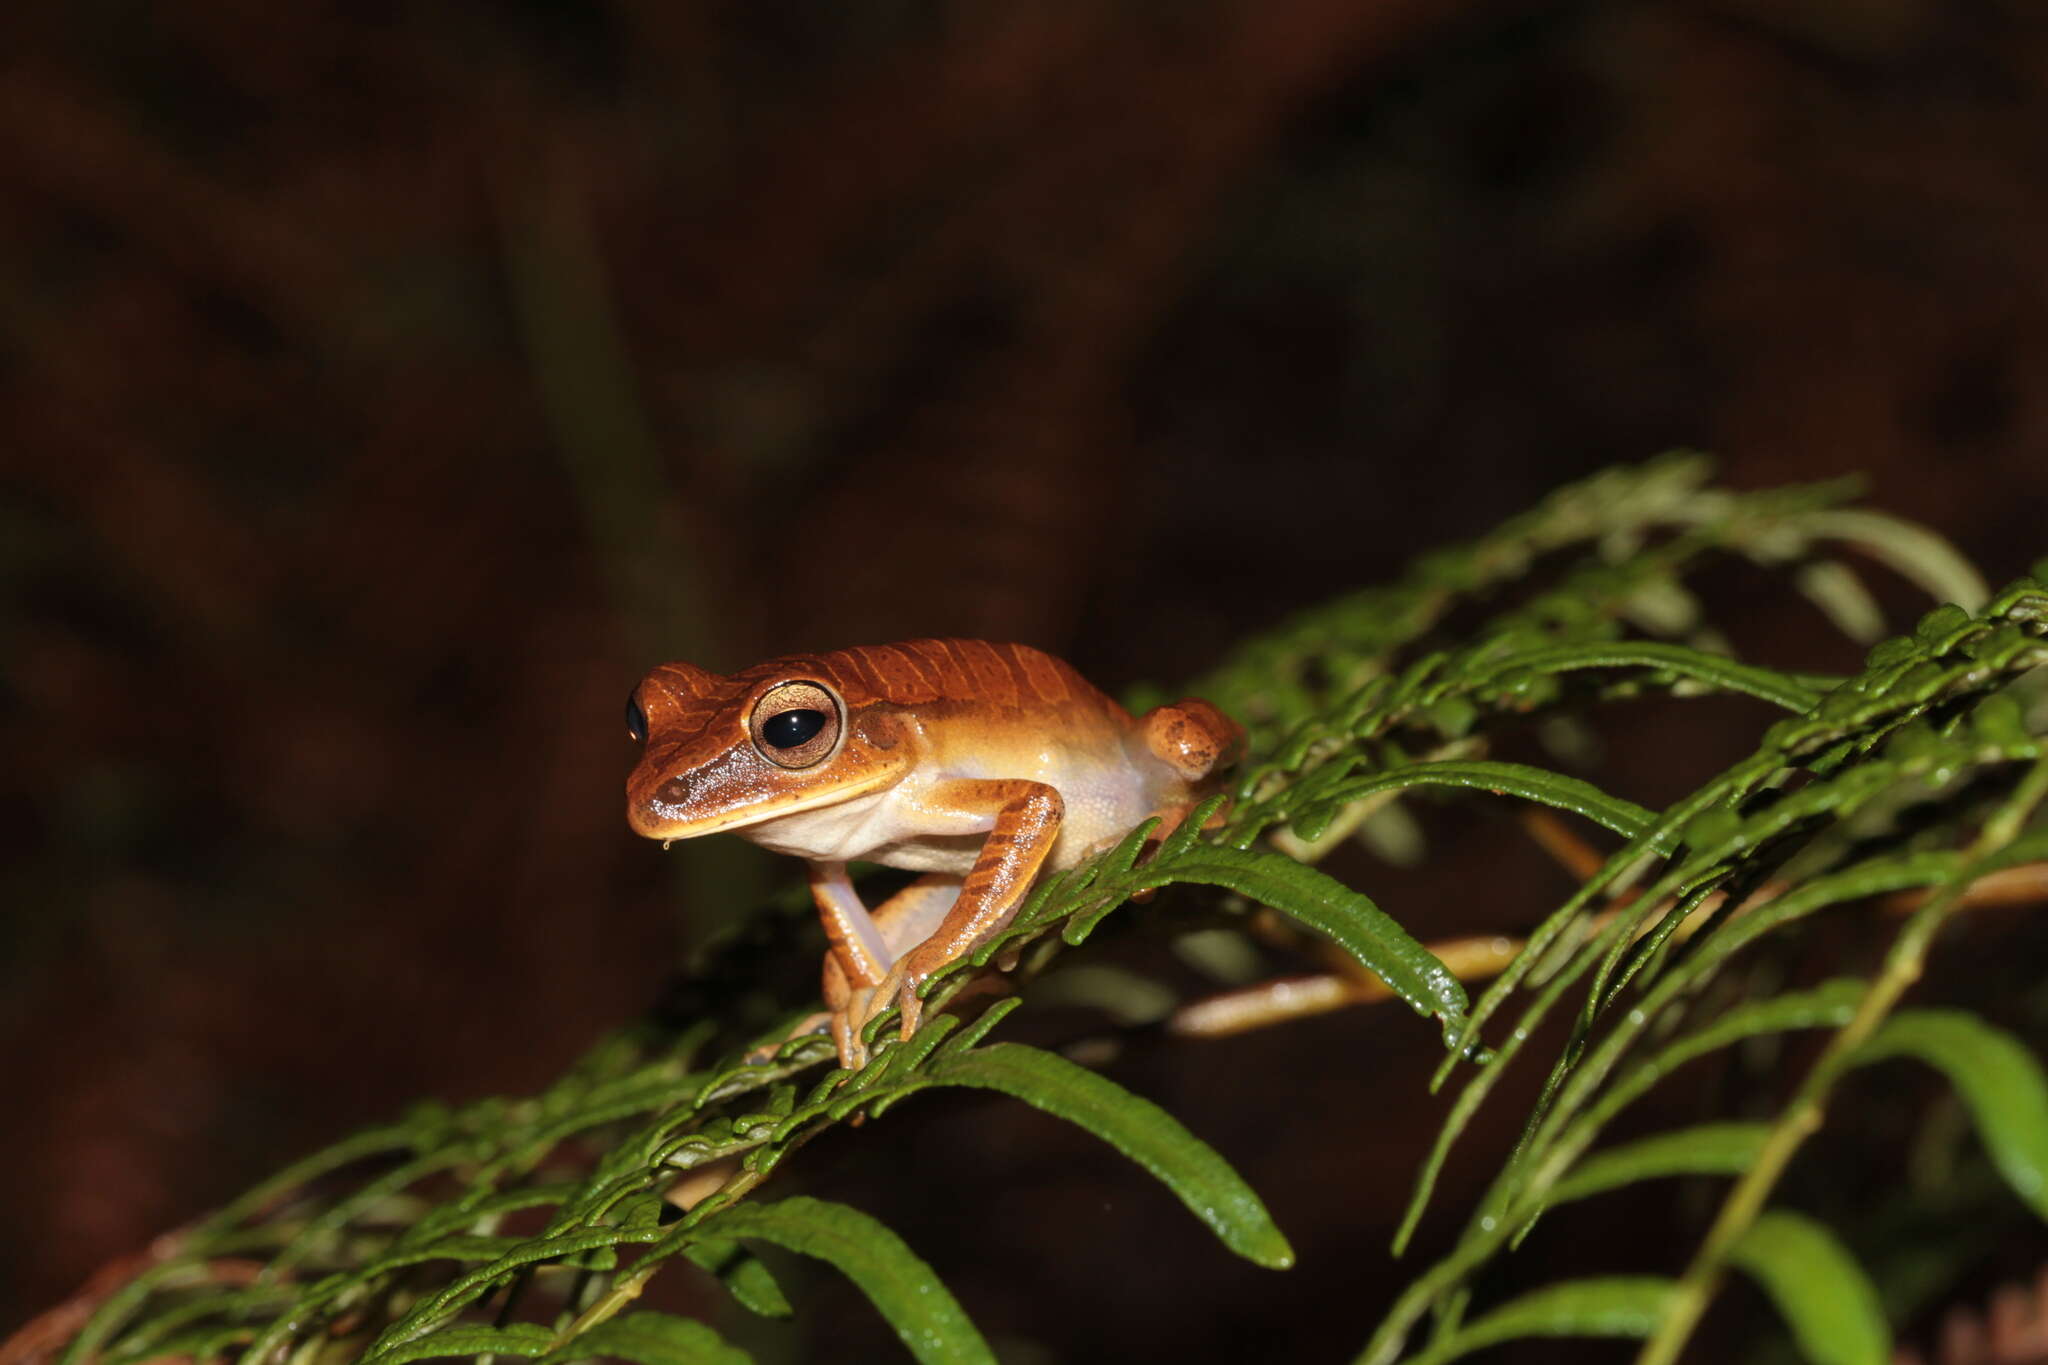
(789,729)
(796,725)
(636,720)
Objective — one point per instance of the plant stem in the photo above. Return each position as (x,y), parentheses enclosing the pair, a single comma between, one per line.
(1803,1116)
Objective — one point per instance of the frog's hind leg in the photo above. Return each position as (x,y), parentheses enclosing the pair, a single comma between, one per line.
(866,944)
(1198,742)
(915,913)
(1024,821)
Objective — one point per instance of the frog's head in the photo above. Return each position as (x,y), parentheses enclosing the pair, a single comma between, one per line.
(724,752)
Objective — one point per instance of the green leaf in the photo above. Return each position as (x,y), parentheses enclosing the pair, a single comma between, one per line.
(201,1343)
(1716,670)
(1662,606)
(1916,552)
(901,1286)
(742,1274)
(518,1339)
(1335,910)
(160,1336)
(1831,1004)
(1831,1306)
(1557,790)
(1997,1077)
(1940,624)
(1834,587)
(651,1339)
(1709,1149)
(408,1330)
(1619,1306)
(1138,1128)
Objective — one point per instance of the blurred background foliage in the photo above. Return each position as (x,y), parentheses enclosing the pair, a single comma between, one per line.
(384,387)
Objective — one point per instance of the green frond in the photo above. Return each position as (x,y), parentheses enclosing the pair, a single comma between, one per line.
(1710,1149)
(1834,1311)
(2000,1082)
(1142,1131)
(902,1287)
(1621,1306)
(526,1227)
(650,1339)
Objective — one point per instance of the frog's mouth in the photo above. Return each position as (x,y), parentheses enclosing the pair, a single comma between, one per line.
(669,821)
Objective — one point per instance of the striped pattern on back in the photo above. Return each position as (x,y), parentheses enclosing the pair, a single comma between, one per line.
(909,673)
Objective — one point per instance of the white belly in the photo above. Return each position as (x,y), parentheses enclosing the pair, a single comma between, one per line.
(903,827)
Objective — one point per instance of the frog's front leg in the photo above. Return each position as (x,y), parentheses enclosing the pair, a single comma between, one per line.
(856,957)
(854,939)
(1025,819)
(865,945)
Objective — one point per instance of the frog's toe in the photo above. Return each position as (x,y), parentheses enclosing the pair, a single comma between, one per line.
(898,988)
(853,1054)
(911,1010)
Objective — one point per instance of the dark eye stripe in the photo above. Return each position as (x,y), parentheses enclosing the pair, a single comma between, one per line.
(791,728)
(636,720)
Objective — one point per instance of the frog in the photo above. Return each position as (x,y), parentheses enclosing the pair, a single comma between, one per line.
(978,766)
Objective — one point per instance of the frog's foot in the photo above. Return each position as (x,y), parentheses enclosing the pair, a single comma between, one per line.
(853,1053)
(1173,817)
(899,988)
(850,1024)
(847,1007)
(1170,819)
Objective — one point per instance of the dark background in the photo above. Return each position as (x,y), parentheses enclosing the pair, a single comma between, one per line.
(383,387)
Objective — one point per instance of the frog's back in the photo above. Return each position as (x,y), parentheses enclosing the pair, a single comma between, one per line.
(980,672)
(932,677)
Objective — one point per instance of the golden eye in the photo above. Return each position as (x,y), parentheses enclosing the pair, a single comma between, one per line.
(797,724)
